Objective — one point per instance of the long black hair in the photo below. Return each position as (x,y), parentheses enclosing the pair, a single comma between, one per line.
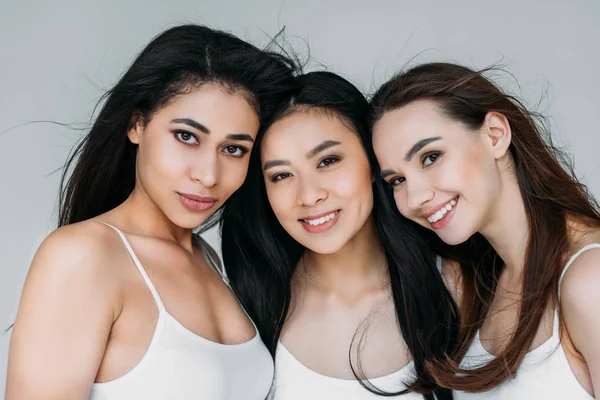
(100,172)
(260,255)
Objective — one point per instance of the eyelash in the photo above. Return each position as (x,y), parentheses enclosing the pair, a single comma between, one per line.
(243,150)
(280,176)
(434,154)
(437,155)
(330,159)
(180,136)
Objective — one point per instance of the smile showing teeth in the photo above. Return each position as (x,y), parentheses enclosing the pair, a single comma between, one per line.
(441,212)
(321,220)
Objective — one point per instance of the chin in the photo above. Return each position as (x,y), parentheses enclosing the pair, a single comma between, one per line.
(188,223)
(454,238)
(323,246)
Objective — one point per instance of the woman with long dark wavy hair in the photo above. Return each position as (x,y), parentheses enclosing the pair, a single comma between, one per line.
(473,168)
(124,301)
(344,291)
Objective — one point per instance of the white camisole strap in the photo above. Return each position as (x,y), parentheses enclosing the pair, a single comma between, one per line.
(572,259)
(556,324)
(138,264)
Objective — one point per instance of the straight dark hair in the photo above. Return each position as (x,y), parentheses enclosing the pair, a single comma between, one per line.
(261,256)
(100,172)
(550,191)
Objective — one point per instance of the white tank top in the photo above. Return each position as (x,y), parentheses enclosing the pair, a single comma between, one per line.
(295,381)
(179,364)
(544,373)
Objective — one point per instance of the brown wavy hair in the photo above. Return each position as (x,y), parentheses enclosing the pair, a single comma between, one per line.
(551,193)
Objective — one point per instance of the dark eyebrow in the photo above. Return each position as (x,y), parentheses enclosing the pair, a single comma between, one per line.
(418,146)
(323,146)
(240,136)
(193,124)
(385,173)
(275,163)
(204,129)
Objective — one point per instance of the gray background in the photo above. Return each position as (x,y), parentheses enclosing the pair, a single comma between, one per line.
(57,58)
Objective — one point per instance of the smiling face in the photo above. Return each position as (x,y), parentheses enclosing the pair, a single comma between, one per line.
(318,179)
(194,152)
(445,176)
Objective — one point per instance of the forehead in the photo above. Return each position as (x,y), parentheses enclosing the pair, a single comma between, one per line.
(214,107)
(412,122)
(302,131)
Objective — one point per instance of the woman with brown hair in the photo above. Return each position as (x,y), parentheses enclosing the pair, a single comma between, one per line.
(472,164)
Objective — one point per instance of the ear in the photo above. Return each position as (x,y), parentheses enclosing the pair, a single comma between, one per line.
(136,127)
(497,134)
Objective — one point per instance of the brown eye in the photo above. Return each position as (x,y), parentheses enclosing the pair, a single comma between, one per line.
(327,162)
(430,159)
(280,176)
(396,181)
(186,137)
(235,151)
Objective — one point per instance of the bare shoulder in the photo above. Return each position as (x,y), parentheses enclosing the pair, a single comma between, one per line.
(586,266)
(579,299)
(69,303)
(81,248)
(78,255)
(452,276)
(582,279)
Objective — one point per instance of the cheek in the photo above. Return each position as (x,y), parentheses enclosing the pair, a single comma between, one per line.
(233,173)
(354,178)
(400,199)
(460,172)
(163,159)
(279,200)
(475,171)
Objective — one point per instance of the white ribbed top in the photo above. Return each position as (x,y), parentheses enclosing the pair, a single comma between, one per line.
(295,381)
(545,372)
(182,365)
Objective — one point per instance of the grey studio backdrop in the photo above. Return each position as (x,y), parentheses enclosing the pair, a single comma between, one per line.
(57,58)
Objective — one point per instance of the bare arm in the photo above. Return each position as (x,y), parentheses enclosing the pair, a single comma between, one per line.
(65,315)
(580,300)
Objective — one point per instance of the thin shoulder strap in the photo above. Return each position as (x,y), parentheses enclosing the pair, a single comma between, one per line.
(571,260)
(208,254)
(139,266)
(562,275)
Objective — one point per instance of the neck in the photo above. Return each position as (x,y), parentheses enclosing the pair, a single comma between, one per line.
(360,263)
(148,219)
(507,229)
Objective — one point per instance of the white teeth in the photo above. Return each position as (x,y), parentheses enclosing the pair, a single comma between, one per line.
(321,220)
(441,212)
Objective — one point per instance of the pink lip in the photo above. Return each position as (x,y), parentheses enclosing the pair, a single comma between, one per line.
(322,227)
(196,203)
(436,209)
(318,215)
(445,219)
